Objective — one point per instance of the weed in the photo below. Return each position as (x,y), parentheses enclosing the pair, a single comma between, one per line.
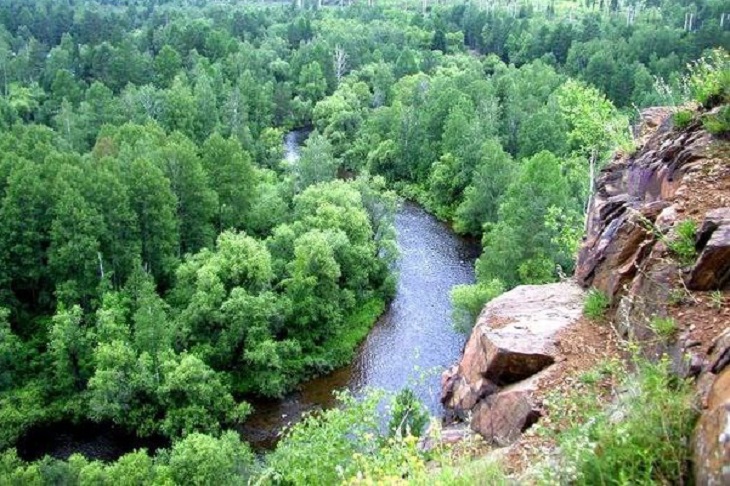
(709,80)
(683,244)
(640,438)
(682,119)
(677,296)
(590,377)
(664,327)
(717,299)
(596,304)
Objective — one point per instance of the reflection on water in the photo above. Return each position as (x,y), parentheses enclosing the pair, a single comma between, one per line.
(410,344)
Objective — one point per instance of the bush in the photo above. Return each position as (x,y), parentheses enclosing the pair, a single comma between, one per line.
(467,302)
(596,304)
(682,119)
(642,438)
(408,416)
(709,80)
(683,244)
(664,327)
(718,124)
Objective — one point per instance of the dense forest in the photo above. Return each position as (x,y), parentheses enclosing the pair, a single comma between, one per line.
(160,262)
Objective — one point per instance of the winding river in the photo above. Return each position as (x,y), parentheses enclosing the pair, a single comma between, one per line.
(410,344)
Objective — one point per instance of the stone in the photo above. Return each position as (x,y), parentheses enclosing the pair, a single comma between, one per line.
(711,440)
(714,219)
(720,352)
(512,354)
(514,338)
(502,417)
(448,436)
(711,271)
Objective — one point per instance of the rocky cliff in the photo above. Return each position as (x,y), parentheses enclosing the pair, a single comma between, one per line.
(658,245)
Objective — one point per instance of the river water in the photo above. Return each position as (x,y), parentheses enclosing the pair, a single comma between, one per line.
(410,344)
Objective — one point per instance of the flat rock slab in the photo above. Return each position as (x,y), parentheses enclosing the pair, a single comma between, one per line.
(514,339)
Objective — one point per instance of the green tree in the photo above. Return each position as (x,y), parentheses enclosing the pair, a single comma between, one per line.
(317,162)
(520,242)
(196,202)
(201,460)
(68,347)
(483,195)
(155,207)
(232,177)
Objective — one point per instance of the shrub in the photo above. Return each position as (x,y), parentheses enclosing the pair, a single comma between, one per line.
(664,327)
(709,80)
(408,416)
(467,302)
(596,304)
(718,124)
(683,244)
(682,119)
(642,438)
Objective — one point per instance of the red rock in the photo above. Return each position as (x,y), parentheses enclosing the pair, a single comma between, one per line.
(499,354)
(711,439)
(712,269)
(501,418)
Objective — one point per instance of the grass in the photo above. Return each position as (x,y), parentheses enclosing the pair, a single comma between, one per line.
(641,437)
(717,299)
(683,244)
(596,305)
(682,119)
(719,123)
(664,327)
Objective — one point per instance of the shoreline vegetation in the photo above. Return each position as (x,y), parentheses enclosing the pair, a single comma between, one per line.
(159,262)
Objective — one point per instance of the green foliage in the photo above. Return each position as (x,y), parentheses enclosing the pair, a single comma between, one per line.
(663,327)
(408,416)
(643,438)
(201,459)
(683,243)
(522,247)
(709,80)
(468,300)
(344,443)
(717,299)
(320,447)
(152,239)
(719,123)
(596,304)
(682,119)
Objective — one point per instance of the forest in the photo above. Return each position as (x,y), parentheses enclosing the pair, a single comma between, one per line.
(161,263)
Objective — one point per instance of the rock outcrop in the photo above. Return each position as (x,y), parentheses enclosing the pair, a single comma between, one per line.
(634,252)
(711,440)
(629,253)
(514,340)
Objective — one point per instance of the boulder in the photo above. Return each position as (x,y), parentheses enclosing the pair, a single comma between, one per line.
(712,269)
(513,340)
(502,417)
(711,439)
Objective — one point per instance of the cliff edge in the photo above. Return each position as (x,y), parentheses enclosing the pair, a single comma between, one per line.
(657,245)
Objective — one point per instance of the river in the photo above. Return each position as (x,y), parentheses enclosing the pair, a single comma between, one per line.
(410,344)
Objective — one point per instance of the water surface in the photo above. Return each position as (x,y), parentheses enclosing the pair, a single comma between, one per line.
(410,344)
